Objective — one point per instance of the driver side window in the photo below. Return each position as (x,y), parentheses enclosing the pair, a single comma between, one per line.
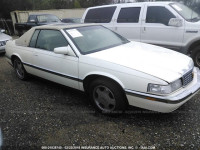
(50,39)
(158,14)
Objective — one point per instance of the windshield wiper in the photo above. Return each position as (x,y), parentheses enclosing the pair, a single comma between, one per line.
(195,19)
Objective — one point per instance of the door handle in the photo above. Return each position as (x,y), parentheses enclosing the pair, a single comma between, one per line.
(35,55)
(144,29)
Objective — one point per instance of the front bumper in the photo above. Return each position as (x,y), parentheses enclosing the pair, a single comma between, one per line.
(165,103)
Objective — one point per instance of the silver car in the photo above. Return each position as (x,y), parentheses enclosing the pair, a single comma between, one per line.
(3,39)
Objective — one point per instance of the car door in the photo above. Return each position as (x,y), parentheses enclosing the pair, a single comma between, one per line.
(128,22)
(59,68)
(155,28)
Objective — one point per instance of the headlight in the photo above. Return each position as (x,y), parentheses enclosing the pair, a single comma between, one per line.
(3,43)
(164,89)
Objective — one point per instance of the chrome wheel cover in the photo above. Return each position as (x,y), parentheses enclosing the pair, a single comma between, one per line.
(19,69)
(104,98)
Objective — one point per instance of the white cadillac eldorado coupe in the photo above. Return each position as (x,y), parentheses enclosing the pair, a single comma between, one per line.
(112,70)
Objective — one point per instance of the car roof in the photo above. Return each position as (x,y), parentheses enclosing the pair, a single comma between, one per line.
(59,26)
(134,3)
(71,18)
(26,37)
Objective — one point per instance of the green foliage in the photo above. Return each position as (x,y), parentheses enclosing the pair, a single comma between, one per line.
(77,4)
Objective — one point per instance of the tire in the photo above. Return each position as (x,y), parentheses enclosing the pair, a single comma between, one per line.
(196,56)
(107,96)
(2,54)
(19,69)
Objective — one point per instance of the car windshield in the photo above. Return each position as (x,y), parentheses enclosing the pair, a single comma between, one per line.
(90,39)
(187,13)
(47,18)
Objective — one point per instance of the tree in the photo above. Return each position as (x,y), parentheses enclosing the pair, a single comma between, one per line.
(77,4)
(10,5)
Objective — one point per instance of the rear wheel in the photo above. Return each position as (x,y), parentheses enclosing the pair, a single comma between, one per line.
(196,56)
(107,96)
(19,69)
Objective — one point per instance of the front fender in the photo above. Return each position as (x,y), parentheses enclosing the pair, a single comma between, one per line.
(104,74)
(187,48)
(16,55)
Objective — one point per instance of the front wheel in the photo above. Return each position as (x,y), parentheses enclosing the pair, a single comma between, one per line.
(196,56)
(107,96)
(19,69)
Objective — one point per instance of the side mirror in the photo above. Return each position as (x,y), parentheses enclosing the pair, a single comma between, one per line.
(64,50)
(175,22)
(2,30)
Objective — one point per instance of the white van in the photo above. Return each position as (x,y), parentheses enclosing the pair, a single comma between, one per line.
(168,24)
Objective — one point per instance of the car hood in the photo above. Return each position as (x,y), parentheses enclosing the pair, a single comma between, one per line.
(160,62)
(4,37)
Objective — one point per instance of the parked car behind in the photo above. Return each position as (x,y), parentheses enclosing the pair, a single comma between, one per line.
(114,71)
(71,20)
(3,39)
(36,20)
(168,24)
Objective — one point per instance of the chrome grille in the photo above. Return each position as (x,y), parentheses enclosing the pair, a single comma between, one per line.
(187,78)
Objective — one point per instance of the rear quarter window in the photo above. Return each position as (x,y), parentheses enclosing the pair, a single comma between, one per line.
(32,18)
(100,15)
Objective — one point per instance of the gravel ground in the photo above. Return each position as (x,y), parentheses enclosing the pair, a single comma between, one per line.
(38,113)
